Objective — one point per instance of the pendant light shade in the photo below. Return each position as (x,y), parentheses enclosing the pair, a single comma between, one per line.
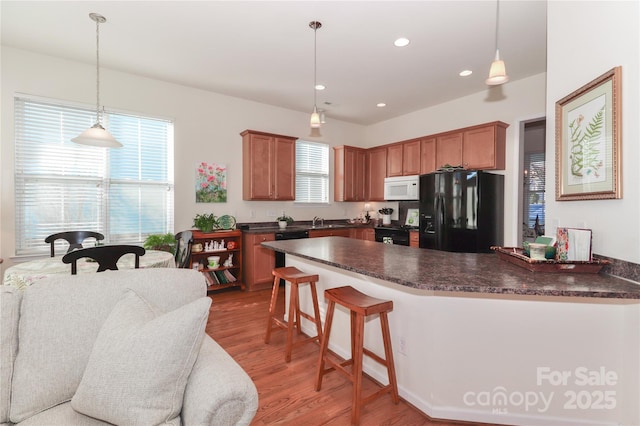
(314,121)
(97,135)
(497,72)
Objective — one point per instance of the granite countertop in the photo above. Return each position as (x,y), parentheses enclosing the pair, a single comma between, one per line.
(261,228)
(434,270)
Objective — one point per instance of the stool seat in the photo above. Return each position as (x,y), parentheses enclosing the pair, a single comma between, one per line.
(296,278)
(360,306)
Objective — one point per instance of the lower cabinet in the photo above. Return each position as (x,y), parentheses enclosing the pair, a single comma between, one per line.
(315,233)
(367,234)
(227,246)
(259,261)
(414,239)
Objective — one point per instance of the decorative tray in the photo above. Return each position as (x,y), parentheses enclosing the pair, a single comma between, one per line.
(516,256)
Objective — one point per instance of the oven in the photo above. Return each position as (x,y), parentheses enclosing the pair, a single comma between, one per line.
(392,235)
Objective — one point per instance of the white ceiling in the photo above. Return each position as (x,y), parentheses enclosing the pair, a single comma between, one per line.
(263,50)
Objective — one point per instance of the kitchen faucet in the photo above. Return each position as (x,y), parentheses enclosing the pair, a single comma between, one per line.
(316,218)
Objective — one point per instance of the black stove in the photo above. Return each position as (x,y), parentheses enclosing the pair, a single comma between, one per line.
(394,234)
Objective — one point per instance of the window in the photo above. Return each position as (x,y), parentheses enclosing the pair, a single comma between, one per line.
(124,193)
(534,189)
(312,172)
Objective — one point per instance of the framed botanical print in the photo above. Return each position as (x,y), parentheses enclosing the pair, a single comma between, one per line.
(588,141)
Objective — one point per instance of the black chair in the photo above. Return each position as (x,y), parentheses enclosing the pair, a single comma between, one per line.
(184,240)
(106,256)
(74,238)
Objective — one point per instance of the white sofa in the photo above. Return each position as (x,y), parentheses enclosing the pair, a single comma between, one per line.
(69,353)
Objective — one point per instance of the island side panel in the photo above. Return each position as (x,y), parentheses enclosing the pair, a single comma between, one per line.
(497,359)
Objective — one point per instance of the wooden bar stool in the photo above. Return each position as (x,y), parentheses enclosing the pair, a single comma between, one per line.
(295,278)
(360,306)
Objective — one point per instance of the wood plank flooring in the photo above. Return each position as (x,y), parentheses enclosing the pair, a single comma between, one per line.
(287,394)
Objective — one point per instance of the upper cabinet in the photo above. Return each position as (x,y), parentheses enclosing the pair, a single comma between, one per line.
(428,155)
(403,159)
(376,171)
(484,147)
(349,173)
(479,147)
(268,166)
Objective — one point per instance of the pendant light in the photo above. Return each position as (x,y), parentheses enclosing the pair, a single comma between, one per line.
(315,116)
(97,135)
(497,72)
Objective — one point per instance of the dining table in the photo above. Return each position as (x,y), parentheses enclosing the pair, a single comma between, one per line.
(22,275)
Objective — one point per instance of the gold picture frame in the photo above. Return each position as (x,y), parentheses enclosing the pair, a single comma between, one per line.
(588,142)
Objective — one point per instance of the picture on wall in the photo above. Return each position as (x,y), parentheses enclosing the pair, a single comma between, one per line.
(211,183)
(588,141)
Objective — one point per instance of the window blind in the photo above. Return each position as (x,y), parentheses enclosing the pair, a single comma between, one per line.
(534,199)
(312,172)
(125,193)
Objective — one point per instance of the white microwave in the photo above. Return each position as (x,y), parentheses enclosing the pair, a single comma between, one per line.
(402,188)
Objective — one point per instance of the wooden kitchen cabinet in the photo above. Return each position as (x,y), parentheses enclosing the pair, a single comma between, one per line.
(342,232)
(483,147)
(349,173)
(376,171)
(367,234)
(449,149)
(414,239)
(428,156)
(228,245)
(268,166)
(394,160)
(411,158)
(258,261)
(403,159)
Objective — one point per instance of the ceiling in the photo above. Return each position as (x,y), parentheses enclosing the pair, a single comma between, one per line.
(263,50)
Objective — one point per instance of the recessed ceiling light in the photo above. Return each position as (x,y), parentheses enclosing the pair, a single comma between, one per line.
(381,105)
(401,42)
(320,87)
(465,73)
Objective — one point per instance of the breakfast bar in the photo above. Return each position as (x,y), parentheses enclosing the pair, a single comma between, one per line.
(479,339)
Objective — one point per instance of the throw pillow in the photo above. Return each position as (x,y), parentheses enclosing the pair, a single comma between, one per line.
(140,362)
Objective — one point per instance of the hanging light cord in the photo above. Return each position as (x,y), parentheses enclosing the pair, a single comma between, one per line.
(497,21)
(98,115)
(315,60)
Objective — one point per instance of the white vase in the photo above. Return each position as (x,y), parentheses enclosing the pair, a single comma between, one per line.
(386,219)
(282,224)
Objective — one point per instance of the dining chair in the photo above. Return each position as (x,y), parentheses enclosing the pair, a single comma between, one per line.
(74,238)
(106,256)
(184,240)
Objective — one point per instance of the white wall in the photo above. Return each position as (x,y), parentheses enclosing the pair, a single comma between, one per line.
(585,40)
(207,127)
(519,100)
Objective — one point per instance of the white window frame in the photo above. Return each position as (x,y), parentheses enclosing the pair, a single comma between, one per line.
(312,177)
(87,169)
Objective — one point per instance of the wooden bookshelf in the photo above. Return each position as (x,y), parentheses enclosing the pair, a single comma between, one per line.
(229,245)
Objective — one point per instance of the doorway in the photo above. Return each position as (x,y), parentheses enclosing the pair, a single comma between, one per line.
(533,176)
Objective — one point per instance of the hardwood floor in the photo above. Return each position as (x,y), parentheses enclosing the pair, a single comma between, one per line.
(287,394)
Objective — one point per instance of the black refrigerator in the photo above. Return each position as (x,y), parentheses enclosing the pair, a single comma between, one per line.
(461,211)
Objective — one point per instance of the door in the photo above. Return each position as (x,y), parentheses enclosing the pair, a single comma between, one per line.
(284,169)
(428,208)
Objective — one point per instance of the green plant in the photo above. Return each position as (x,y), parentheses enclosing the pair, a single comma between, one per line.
(164,242)
(205,222)
(284,218)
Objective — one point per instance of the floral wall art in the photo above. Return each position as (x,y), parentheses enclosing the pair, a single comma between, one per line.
(211,183)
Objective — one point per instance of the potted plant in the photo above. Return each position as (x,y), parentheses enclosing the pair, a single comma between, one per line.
(163,242)
(205,222)
(283,220)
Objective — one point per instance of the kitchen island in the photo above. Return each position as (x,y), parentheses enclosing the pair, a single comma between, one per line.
(479,339)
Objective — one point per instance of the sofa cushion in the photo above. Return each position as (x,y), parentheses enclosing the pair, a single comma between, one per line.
(140,362)
(9,315)
(60,318)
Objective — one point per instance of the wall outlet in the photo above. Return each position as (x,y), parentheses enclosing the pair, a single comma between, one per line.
(403,346)
(252,214)
(272,213)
